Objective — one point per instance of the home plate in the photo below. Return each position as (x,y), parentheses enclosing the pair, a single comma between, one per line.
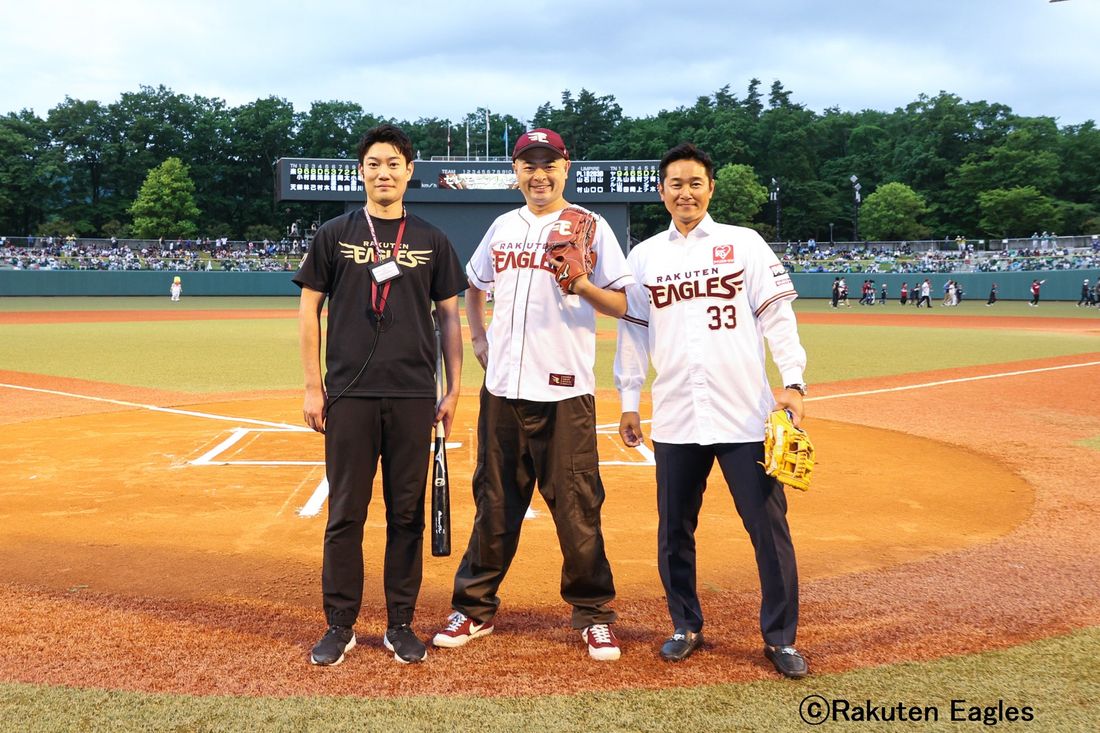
(532,513)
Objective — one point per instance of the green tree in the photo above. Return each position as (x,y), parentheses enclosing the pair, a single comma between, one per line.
(260,232)
(165,206)
(1015,212)
(114,228)
(586,123)
(932,138)
(738,196)
(1076,217)
(1079,166)
(894,212)
(753,97)
(332,129)
(80,131)
(809,206)
(262,132)
(30,173)
(429,136)
(471,132)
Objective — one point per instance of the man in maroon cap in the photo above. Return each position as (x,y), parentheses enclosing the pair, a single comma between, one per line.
(537,422)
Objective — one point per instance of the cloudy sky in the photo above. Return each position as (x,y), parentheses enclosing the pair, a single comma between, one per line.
(431,58)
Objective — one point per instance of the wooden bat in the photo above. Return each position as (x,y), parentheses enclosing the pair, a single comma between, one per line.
(441,479)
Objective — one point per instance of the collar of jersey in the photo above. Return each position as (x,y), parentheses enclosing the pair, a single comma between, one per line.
(527,215)
(703,229)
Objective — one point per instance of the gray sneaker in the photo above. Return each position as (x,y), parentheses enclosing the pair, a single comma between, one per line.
(332,646)
(404,644)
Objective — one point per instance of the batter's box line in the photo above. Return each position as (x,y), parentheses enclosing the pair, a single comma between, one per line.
(316,501)
(210,458)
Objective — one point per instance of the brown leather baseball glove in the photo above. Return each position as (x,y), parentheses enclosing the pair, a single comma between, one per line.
(570,241)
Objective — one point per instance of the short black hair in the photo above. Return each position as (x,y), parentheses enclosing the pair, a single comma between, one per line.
(686,151)
(386,133)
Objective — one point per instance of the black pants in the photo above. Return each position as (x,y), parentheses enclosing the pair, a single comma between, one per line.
(554,444)
(360,430)
(682,471)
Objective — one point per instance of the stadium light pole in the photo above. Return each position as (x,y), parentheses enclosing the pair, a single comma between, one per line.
(775,198)
(855,207)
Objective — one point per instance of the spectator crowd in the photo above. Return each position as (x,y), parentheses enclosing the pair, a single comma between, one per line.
(71,253)
(901,258)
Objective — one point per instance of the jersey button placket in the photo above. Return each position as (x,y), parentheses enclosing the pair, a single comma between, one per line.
(698,352)
(515,351)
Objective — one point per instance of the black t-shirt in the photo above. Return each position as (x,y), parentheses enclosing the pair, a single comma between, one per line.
(338,263)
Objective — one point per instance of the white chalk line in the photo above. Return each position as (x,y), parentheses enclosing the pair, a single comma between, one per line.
(316,500)
(960,380)
(313,506)
(170,410)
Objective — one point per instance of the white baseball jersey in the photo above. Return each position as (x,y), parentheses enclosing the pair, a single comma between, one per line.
(701,309)
(542,344)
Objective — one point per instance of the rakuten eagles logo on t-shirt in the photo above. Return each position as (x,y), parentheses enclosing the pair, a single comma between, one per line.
(364,254)
(563,380)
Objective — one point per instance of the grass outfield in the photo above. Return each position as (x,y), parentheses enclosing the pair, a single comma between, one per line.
(1059,309)
(1055,677)
(236,354)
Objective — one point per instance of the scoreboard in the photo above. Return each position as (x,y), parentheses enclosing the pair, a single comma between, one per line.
(433,181)
(602,177)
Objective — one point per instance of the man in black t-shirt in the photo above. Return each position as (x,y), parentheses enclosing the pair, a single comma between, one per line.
(380,270)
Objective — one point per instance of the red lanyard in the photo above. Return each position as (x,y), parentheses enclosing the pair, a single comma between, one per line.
(378,305)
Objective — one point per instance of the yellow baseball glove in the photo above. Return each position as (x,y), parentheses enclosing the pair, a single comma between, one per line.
(788,452)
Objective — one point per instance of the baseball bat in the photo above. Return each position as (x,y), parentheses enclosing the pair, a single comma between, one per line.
(441,479)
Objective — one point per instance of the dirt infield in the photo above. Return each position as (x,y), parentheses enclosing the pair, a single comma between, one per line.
(150,550)
(848,317)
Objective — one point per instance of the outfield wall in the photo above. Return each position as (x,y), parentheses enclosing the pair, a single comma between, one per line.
(1059,285)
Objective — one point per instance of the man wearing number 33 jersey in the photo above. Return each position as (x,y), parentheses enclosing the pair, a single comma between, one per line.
(705,298)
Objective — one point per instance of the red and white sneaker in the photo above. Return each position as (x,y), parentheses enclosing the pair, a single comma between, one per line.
(460,629)
(602,643)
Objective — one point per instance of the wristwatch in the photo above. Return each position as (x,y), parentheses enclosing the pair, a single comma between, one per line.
(800,388)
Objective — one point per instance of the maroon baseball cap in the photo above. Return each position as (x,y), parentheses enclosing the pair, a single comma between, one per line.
(540,137)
